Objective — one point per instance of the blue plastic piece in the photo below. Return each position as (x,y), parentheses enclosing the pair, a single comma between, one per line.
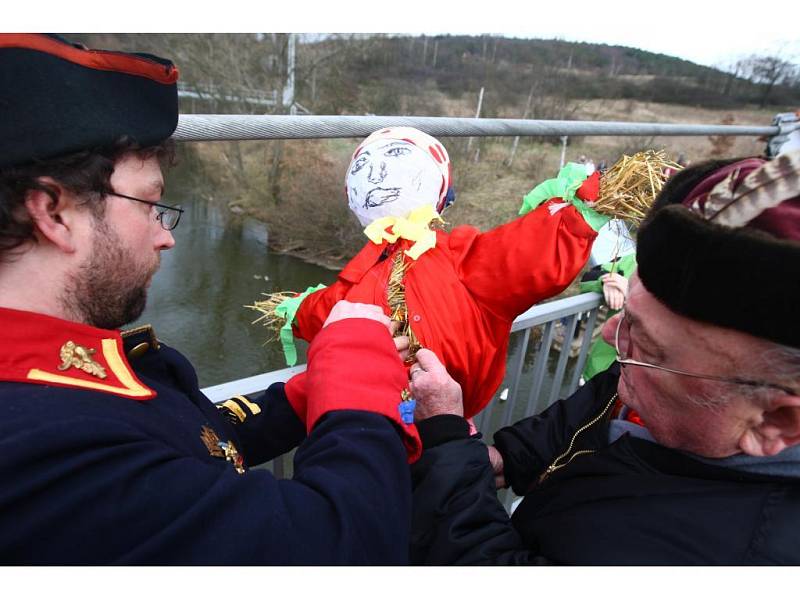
(407,410)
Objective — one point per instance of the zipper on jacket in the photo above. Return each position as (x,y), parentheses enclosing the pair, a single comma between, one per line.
(555,466)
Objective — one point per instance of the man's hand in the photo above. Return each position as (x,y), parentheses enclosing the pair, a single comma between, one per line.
(615,289)
(401,343)
(432,387)
(497,466)
(356,310)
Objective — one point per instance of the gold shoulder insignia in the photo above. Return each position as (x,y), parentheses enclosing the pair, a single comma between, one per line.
(73,355)
(148,329)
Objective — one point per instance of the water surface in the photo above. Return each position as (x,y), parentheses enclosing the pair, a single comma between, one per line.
(221,262)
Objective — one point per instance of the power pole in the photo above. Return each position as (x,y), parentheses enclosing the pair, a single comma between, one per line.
(288,90)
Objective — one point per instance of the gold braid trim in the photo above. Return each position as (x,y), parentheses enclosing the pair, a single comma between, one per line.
(396,298)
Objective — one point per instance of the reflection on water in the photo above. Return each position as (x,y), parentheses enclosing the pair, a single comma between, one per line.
(196,300)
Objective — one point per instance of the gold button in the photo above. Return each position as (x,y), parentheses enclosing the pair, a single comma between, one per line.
(138,350)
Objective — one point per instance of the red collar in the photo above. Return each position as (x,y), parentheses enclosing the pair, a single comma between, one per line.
(369,255)
(362,262)
(51,351)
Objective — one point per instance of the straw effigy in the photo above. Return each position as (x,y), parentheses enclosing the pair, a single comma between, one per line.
(629,187)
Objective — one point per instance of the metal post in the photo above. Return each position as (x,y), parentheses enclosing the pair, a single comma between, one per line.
(558,377)
(587,341)
(564,139)
(539,367)
(477,114)
(516,374)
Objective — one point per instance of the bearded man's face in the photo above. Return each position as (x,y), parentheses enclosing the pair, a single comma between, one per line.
(109,289)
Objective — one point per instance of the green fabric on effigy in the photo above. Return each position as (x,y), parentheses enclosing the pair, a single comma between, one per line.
(564,186)
(287,310)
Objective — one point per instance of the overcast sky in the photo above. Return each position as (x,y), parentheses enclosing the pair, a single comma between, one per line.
(706,32)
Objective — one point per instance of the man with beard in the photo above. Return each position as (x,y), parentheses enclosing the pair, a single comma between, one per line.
(687,450)
(109,452)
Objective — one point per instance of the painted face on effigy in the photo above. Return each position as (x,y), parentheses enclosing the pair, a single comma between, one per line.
(390,177)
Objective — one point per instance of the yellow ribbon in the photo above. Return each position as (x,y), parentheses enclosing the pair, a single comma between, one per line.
(415,227)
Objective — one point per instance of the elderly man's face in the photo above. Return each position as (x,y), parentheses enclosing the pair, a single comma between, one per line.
(679,411)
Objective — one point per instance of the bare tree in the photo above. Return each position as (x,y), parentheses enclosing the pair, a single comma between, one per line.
(734,72)
(769,71)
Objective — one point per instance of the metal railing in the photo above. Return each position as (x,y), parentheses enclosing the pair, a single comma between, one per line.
(576,317)
(198,128)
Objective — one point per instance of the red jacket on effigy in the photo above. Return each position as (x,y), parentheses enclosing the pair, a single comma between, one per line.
(463,295)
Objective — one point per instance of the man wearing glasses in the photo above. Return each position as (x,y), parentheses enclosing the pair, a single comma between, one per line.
(109,452)
(687,450)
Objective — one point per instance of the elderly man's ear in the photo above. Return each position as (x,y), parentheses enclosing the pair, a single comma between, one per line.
(779,428)
(54,219)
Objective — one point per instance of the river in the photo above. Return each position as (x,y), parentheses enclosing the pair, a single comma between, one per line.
(221,262)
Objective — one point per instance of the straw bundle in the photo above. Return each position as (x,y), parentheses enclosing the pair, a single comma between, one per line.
(267,307)
(396,298)
(629,187)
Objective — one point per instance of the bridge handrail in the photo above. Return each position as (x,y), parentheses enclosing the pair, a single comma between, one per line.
(197,128)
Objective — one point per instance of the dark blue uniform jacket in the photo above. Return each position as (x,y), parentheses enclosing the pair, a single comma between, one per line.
(91,477)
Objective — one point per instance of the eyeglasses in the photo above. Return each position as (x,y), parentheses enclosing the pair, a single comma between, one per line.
(168,216)
(624,354)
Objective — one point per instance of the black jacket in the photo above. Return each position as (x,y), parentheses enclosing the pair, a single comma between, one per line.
(632,502)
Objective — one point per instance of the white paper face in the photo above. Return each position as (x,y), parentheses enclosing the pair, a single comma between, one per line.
(391,178)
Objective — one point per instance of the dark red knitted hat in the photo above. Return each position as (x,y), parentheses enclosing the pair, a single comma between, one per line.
(57,98)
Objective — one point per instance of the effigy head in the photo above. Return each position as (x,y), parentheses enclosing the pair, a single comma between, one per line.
(396,170)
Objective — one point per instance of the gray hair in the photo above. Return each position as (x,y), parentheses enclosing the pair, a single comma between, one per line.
(775,364)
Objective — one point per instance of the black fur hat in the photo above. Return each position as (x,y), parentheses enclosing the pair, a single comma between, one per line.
(722,245)
(57,98)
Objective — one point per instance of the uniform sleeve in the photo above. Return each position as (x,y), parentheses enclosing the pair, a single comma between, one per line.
(457,518)
(135,500)
(266,424)
(511,267)
(531,445)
